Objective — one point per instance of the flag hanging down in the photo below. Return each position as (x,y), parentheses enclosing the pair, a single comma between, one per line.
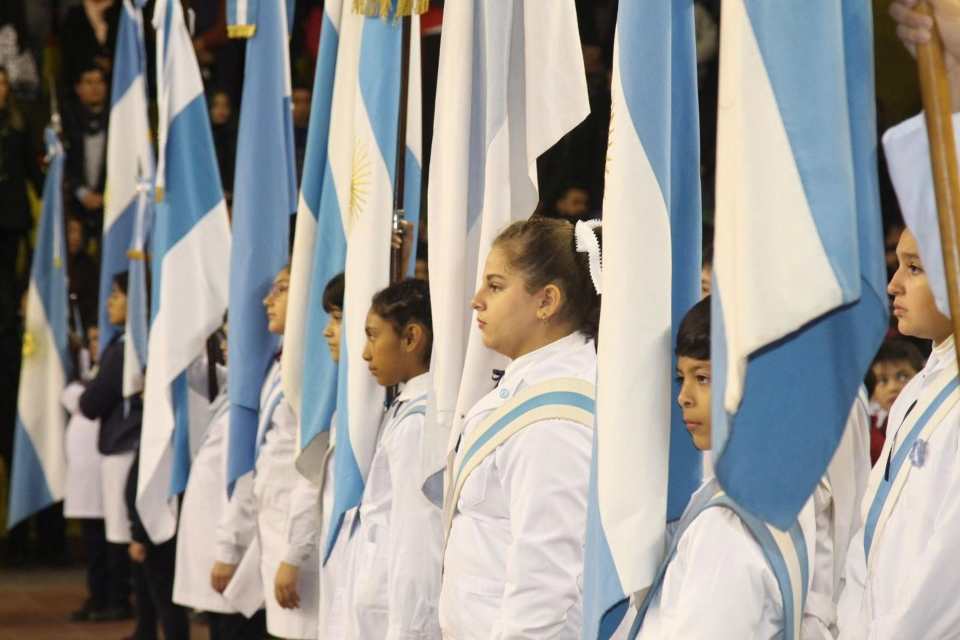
(261,219)
(138,306)
(38,469)
(305,235)
(190,262)
(651,226)
(129,154)
(509,87)
(354,221)
(799,306)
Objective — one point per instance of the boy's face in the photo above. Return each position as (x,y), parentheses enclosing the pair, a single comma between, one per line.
(892,377)
(913,304)
(694,398)
(332,332)
(117,306)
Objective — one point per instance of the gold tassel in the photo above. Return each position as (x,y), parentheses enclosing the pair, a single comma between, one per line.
(136,254)
(241,30)
(159,194)
(384,8)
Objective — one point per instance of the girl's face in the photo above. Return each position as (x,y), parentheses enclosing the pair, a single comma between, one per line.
(913,303)
(508,315)
(891,377)
(276,303)
(332,332)
(694,398)
(117,306)
(384,351)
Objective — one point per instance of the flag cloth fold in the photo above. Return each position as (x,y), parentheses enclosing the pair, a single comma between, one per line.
(38,469)
(190,263)
(651,270)
(129,155)
(264,196)
(799,304)
(509,87)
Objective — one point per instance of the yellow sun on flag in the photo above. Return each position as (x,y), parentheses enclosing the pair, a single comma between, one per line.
(359,181)
(29,344)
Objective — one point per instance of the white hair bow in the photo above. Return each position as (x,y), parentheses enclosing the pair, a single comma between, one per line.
(586,242)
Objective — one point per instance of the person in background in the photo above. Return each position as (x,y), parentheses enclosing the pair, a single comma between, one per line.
(85,133)
(89,37)
(224,127)
(83,273)
(895,364)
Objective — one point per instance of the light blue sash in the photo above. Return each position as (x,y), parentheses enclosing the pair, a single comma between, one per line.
(781,550)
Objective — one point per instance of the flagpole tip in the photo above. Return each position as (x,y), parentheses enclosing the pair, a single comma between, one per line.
(385,8)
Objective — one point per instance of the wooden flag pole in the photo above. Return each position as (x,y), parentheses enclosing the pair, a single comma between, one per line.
(937,109)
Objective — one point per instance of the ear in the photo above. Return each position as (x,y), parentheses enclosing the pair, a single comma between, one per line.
(412,337)
(551,299)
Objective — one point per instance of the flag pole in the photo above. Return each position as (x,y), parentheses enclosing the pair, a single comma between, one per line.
(937,109)
(397,268)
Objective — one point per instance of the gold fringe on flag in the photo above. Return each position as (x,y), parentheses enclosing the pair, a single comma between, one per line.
(384,8)
(241,30)
(136,254)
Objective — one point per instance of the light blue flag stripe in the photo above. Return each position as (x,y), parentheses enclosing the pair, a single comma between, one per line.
(180,472)
(657,61)
(261,220)
(39,415)
(130,63)
(137,294)
(798,390)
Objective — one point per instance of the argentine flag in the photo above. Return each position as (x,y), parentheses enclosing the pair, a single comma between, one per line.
(510,85)
(354,222)
(138,305)
(264,196)
(651,277)
(799,302)
(38,470)
(190,262)
(129,155)
(305,238)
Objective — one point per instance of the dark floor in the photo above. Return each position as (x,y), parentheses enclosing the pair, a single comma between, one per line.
(35,605)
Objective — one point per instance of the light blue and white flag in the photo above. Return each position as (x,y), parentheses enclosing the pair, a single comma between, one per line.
(190,262)
(138,305)
(798,305)
(651,270)
(264,197)
(302,284)
(38,470)
(354,222)
(509,87)
(129,155)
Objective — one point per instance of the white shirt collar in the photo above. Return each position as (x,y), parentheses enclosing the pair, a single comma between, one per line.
(416,387)
(518,368)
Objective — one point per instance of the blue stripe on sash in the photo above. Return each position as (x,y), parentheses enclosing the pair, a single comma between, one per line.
(896,463)
(418,410)
(569,398)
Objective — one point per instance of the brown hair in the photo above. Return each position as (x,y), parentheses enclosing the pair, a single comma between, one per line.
(544,251)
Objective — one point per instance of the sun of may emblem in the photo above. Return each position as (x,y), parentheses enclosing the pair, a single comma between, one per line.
(29,344)
(359,180)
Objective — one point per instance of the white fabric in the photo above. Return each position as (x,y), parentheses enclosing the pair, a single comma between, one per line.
(513,566)
(395,583)
(909,589)
(114,470)
(83,495)
(719,585)
(335,573)
(202,507)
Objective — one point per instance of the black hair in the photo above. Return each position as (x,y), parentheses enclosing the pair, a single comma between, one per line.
(899,350)
(693,336)
(87,68)
(544,251)
(121,280)
(403,303)
(333,294)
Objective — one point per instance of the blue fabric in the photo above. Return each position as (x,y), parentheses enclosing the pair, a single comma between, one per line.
(181,436)
(29,491)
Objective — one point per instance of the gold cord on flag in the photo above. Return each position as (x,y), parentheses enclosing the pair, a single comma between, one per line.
(241,30)
(136,254)
(384,8)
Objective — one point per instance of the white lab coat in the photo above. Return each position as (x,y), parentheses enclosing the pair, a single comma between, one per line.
(719,585)
(513,566)
(283,506)
(202,507)
(114,470)
(836,502)
(83,495)
(334,610)
(396,576)
(910,588)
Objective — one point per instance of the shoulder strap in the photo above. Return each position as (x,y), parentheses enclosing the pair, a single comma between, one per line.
(784,551)
(926,417)
(562,398)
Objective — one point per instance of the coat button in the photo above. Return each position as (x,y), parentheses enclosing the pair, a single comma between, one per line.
(504,393)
